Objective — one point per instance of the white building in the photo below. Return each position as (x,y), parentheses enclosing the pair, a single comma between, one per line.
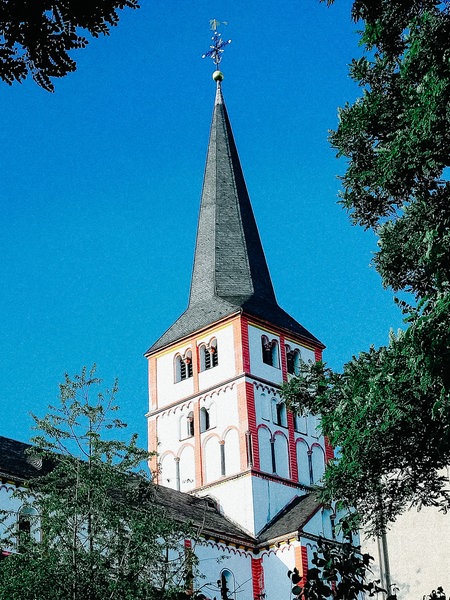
(216,418)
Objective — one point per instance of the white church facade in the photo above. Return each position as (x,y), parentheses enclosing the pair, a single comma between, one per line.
(216,418)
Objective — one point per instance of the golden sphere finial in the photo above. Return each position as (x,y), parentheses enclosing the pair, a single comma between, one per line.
(217,76)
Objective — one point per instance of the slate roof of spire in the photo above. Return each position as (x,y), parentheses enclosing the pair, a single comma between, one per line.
(230,273)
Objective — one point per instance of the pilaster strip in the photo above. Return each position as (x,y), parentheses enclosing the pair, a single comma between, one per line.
(251,412)
(245,345)
(257,578)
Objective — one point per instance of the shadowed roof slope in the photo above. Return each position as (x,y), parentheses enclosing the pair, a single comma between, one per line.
(230,273)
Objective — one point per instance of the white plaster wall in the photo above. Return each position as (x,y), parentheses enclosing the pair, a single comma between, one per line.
(187,468)
(211,459)
(225,349)
(235,498)
(419,552)
(265,454)
(167,471)
(212,559)
(269,498)
(315,524)
(318,463)
(171,434)
(168,391)
(302,450)
(281,454)
(257,366)
(225,402)
(277,584)
(232,454)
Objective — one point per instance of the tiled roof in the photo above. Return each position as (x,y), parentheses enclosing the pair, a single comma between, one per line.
(15,463)
(230,273)
(202,513)
(291,519)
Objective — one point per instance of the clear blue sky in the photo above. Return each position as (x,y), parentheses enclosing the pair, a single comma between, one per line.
(101,185)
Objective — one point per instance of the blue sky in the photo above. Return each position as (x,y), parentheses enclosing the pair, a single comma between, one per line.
(102,181)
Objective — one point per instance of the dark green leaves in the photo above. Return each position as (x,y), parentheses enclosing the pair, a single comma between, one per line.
(36,37)
(388,413)
(340,571)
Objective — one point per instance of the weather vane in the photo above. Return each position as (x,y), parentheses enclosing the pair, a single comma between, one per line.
(216,49)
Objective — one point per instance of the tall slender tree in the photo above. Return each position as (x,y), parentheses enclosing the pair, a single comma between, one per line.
(94,531)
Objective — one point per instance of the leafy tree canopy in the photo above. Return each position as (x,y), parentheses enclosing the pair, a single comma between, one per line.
(396,139)
(36,36)
(388,412)
(93,531)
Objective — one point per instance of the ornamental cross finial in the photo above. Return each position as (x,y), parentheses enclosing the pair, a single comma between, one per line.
(216,49)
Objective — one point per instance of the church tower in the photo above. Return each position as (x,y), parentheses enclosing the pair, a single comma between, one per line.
(216,418)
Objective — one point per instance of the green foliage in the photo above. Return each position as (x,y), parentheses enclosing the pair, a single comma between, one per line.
(340,571)
(36,37)
(396,139)
(388,412)
(98,534)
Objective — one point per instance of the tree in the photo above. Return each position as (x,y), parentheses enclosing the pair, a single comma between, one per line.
(93,529)
(339,571)
(36,37)
(389,410)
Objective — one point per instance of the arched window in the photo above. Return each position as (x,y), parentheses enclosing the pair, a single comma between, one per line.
(190,424)
(300,423)
(280,455)
(227,585)
(270,354)
(279,413)
(231,453)
(183,366)
(293,360)
(265,407)
(304,463)
(317,463)
(265,450)
(27,526)
(204,419)
(209,356)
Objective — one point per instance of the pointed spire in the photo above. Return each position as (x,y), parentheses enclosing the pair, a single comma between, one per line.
(230,272)
(229,259)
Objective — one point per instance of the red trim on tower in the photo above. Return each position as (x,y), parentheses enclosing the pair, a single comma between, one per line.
(292,447)
(304,564)
(317,354)
(329,450)
(245,345)
(258,578)
(251,412)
